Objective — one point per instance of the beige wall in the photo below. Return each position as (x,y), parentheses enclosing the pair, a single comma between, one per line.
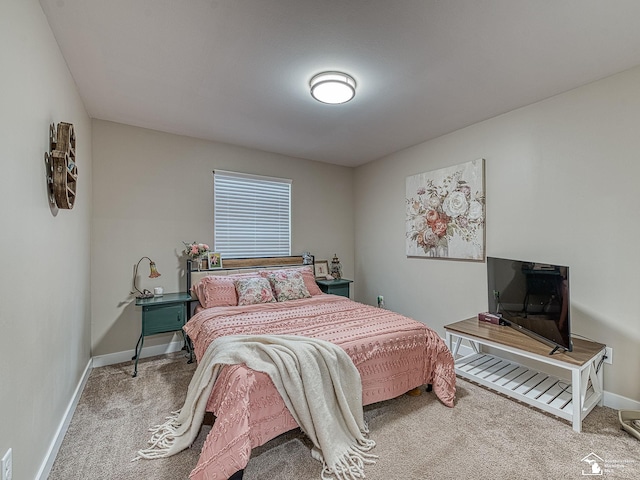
(562,181)
(44,260)
(567,165)
(153,191)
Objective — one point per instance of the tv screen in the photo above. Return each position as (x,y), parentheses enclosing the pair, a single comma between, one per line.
(533,298)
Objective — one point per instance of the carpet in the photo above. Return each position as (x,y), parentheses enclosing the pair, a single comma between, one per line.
(485,436)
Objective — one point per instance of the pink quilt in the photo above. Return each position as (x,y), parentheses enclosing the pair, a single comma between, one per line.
(393,354)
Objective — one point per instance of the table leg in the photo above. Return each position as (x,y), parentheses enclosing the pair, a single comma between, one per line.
(576,399)
(136,357)
(188,346)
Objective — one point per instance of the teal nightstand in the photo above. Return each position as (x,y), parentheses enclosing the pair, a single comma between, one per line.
(335,287)
(167,313)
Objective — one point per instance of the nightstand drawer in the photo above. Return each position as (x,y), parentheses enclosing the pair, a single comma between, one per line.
(339,290)
(335,287)
(162,318)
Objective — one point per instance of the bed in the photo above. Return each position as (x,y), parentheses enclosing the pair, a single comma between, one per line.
(393,354)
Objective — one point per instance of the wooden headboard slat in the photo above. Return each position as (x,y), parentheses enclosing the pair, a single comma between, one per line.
(260,262)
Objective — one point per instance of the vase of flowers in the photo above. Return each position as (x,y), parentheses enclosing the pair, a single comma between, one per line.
(196,251)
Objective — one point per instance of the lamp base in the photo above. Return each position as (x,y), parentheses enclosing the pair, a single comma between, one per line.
(145,294)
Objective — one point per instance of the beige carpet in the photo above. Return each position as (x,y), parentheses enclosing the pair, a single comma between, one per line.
(485,436)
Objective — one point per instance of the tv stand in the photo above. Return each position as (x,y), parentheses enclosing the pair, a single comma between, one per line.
(571,392)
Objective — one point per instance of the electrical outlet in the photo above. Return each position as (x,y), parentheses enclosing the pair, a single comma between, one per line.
(6,469)
(608,351)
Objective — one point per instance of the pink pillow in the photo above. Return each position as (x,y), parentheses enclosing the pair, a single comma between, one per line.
(254,290)
(307,276)
(219,290)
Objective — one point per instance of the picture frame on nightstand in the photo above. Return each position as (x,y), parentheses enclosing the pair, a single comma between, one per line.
(321,269)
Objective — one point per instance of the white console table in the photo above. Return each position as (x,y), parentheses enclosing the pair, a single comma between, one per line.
(569,398)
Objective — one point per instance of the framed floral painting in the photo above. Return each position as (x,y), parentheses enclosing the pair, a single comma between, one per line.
(445,213)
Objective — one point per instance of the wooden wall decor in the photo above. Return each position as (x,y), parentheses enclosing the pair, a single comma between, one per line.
(61,160)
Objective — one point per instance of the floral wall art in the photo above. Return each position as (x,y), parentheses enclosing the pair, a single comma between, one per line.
(446,212)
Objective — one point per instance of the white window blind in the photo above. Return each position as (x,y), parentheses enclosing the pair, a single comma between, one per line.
(252,215)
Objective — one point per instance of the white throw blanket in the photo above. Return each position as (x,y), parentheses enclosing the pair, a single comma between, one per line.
(317,380)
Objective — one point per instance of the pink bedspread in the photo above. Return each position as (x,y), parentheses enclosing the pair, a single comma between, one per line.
(393,354)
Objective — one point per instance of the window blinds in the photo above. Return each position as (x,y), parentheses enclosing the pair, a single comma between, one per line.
(252,215)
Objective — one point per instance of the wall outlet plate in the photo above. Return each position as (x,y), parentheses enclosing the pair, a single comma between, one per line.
(608,351)
(6,466)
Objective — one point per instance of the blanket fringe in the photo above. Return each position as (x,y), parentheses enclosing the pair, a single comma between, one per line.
(351,465)
(163,438)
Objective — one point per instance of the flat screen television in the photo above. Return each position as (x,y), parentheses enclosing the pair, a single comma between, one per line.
(532,298)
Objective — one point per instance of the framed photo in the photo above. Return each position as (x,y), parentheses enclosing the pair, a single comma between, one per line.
(321,269)
(214,260)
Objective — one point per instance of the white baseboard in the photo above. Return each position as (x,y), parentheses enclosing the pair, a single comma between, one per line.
(120,357)
(50,457)
(618,402)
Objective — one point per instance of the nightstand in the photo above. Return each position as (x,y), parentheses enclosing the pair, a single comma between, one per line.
(167,313)
(335,287)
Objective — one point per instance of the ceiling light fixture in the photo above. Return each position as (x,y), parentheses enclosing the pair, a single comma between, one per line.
(333,87)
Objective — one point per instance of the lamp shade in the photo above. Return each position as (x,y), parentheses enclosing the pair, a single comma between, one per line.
(154,271)
(333,87)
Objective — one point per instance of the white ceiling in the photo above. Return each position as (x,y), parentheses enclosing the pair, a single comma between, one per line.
(237,71)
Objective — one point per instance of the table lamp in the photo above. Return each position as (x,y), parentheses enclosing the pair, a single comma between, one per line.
(153,274)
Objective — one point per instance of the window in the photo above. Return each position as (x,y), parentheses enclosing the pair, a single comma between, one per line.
(251,215)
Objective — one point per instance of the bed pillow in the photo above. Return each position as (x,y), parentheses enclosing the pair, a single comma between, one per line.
(288,285)
(254,290)
(219,290)
(307,277)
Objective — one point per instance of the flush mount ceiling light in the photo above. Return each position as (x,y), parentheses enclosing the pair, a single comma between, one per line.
(333,87)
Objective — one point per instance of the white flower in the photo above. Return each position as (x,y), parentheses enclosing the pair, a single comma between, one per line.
(455,204)
(475,210)
(420,223)
(434,202)
(429,239)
